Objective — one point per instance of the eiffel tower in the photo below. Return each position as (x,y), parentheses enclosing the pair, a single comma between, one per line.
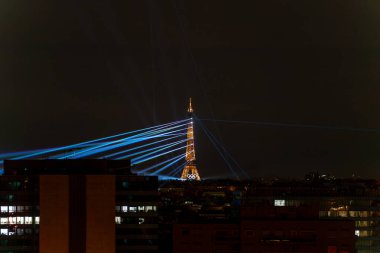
(190,171)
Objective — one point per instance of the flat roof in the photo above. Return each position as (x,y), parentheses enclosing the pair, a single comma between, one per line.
(67,166)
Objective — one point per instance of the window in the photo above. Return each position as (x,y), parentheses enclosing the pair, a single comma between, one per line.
(16,220)
(279,202)
(135,209)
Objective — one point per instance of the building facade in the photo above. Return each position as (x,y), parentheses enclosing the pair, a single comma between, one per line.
(356,200)
(267,229)
(84,206)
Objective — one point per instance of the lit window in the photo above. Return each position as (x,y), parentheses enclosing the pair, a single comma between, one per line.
(124,209)
(141,220)
(133,209)
(20,220)
(12,220)
(4,231)
(118,220)
(28,220)
(12,209)
(357,232)
(37,220)
(4,220)
(279,202)
(4,209)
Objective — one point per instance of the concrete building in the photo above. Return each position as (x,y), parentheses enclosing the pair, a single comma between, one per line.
(77,206)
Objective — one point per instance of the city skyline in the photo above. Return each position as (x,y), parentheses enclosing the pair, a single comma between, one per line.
(71,72)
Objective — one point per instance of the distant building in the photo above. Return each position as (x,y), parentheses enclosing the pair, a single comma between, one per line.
(199,238)
(268,229)
(77,206)
(356,200)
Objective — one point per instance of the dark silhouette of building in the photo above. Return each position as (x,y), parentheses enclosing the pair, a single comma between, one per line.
(268,229)
(337,199)
(77,206)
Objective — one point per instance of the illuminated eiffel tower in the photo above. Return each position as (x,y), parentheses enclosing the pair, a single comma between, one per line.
(190,171)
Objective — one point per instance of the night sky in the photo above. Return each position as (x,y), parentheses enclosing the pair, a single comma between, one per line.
(77,70)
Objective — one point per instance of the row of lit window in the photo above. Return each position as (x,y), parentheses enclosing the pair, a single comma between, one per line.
(119,220)
(17,231)
(19,220)
(13,209)
(135,209)
(363,214)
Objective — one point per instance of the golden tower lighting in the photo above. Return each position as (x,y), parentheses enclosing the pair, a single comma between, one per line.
(190,171)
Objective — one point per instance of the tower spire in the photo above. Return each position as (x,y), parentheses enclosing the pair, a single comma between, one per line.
(190,171)
(190,109)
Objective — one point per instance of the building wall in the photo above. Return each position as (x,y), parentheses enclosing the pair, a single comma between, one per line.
(100,206)
(19,214)
(78,214)
(363,210)
(205,238)
(136,214)
(297,236)
(87,206)
(265,236)
(54,208)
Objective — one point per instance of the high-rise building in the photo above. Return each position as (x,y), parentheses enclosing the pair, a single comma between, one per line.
(77,206)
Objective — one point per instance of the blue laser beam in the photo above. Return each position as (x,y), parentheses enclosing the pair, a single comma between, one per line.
(177,169)
(96,140)
(218,149)
(164,147)
(143,146)
(125,141)
(101,149)
(159,164)
(167,166)
(162,154)
(227,154)
(141,152)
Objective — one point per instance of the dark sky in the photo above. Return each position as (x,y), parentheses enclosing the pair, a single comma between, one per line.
(77,70)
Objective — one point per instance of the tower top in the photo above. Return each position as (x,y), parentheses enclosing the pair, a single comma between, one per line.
(190,109)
